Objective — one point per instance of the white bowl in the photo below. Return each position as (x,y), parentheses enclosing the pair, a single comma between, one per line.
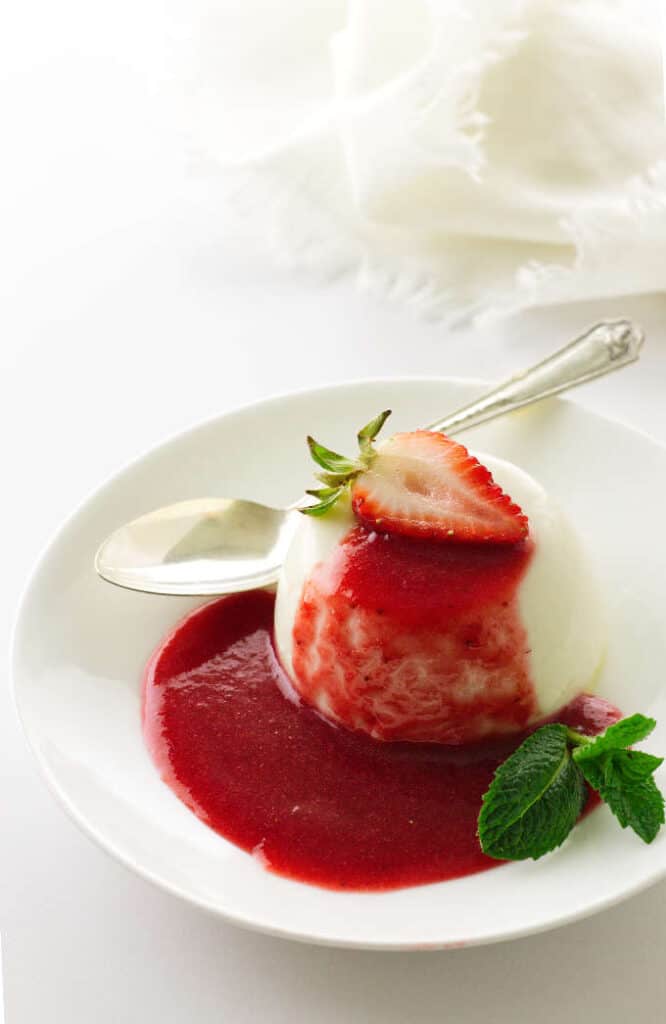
(80,647)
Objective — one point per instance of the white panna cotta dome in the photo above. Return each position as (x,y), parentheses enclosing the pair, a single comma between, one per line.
(559,606)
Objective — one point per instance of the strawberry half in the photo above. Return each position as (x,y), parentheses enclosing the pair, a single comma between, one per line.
(420,484)
(423,484)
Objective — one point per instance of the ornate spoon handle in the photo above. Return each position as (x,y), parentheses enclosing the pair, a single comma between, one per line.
(607,346)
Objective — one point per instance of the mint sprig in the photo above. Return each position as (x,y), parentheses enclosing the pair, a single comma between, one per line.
(339,471)
(538,793)
(535,798)
(623,779)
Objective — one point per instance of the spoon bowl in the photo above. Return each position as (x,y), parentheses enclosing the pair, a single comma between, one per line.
(199,547)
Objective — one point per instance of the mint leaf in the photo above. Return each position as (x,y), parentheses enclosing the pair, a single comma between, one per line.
(534,800)
(637,804)
(623,779)
(537,794)
(635,764)
(623,734)
(593,771)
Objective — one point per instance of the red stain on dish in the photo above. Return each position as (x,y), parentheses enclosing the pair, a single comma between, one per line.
(315,802)
(412,640)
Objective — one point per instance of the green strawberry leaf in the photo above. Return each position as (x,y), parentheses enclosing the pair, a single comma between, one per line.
(623,734)
(327,498)
(322,492)
(368,433)
(330,460)
(535,798)
(339,471)
(334,479)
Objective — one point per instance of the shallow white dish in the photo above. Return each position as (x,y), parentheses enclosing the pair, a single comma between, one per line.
(80,647)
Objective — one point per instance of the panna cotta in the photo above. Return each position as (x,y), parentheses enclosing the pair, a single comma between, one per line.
(411,638)
(428,597)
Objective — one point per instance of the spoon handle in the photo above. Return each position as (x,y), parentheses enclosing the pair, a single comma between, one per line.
(607,346)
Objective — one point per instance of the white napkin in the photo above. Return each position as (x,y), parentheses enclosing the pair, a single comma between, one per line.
(472,158)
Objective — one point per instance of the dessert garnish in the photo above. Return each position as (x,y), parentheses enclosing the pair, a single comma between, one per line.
(539,792)
(339,471)
(420,484)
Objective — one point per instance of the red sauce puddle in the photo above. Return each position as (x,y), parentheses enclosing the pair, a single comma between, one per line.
(314,802)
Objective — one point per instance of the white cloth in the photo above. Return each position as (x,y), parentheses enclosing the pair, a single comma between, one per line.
(472,158)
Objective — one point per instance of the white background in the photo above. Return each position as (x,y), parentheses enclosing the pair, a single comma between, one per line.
(130,309)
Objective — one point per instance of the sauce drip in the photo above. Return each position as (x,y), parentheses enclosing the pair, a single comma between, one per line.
(313,801)
(414,640)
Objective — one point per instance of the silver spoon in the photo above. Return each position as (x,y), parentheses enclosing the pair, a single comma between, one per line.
(225,545)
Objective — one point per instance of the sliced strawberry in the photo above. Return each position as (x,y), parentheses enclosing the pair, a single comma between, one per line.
(423,484)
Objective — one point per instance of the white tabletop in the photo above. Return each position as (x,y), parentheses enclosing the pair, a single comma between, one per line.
(130,310)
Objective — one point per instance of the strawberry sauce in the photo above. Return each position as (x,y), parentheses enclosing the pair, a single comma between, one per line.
(312,801)
(416,640)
